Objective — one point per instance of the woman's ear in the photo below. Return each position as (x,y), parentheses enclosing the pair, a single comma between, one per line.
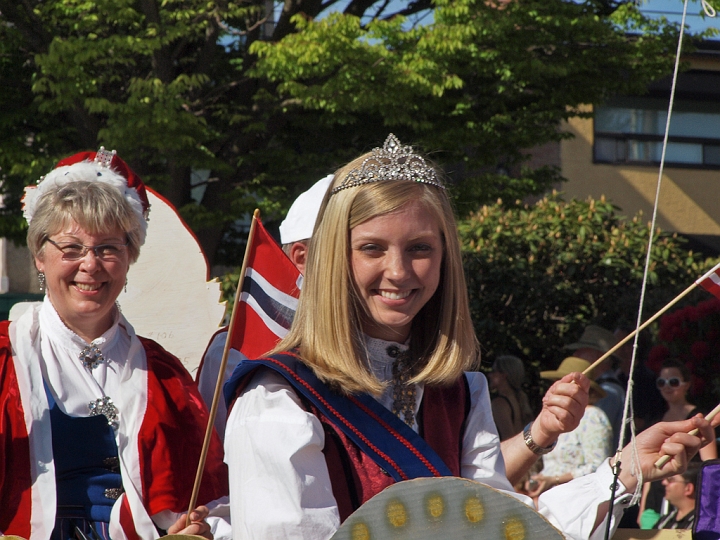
(39,264)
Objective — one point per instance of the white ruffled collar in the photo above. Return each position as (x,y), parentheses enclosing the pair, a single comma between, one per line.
(55,330)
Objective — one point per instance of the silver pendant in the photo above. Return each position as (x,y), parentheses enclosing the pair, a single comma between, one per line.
(91,356)
(106,407)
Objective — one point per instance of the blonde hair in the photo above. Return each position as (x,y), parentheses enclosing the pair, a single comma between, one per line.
(327,328)
(95,206)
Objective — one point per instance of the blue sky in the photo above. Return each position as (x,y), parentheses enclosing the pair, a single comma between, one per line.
(672,9)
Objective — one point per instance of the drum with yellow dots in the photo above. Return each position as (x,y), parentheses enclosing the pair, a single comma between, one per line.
(447,509)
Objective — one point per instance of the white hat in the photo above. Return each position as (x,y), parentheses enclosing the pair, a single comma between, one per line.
(300,220)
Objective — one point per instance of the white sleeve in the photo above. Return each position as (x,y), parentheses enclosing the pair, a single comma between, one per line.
(207,378)
(571,507)
(279,481)
(482,460)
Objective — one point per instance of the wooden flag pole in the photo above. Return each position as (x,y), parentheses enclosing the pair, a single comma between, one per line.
(679,297)
(641,327)
(221,373)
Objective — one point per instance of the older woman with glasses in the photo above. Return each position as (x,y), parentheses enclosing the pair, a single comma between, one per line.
(100,430)
(673,383)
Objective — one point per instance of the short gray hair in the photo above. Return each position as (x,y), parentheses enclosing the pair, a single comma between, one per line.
(95,206)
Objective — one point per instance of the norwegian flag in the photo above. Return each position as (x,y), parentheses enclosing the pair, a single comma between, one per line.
(711,281)
(268,300)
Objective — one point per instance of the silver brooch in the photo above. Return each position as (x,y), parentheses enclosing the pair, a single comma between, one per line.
(114,493)
(391,162)
(107,408)
(91,356)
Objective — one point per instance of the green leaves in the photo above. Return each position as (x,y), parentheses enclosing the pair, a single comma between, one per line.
(539,273)
(270,103)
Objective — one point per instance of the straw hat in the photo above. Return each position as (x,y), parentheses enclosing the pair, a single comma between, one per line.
(572,364)
(594,337)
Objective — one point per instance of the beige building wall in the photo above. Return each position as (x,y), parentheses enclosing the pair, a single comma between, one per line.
(689,200)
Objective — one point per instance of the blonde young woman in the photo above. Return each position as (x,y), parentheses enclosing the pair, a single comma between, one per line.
(371,386)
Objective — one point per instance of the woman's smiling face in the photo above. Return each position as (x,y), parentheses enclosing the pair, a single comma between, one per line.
(396,260)
(83,292)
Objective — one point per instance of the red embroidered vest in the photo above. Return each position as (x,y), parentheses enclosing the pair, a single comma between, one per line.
(355,477)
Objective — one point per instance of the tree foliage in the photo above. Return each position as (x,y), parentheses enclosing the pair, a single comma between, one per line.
(538,274)
(255,106)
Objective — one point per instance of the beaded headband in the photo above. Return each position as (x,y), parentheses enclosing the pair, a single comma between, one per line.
(391,162)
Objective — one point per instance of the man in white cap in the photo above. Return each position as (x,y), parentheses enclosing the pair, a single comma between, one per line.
(297,227)
(295,231)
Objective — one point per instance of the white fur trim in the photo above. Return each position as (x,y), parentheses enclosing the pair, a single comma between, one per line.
(83,171)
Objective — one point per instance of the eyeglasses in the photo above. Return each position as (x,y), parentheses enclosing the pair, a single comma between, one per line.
(672,382)
(675,479)
(72,251)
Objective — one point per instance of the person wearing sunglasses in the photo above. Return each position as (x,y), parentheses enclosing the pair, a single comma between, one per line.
(674,384)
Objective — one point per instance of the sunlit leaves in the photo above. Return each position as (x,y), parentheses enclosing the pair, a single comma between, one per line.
(538,273)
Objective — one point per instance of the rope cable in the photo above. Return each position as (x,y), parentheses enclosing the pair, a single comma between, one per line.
(635,462)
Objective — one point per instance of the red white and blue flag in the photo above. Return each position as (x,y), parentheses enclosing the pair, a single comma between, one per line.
(268,299)
(711,281)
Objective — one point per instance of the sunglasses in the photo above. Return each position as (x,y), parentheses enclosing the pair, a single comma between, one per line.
(672,382)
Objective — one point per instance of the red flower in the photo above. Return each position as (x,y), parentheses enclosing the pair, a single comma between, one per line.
(657,356)
(700,350)
(692,314)
(697,386)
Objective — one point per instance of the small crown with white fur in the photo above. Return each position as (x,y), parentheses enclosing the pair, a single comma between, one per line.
(79,167)
(391,162)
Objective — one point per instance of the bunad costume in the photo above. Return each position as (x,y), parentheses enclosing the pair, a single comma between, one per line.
(302,457)
(109,445)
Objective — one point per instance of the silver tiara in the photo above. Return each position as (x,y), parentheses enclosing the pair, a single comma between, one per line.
(103,157)
(391,162)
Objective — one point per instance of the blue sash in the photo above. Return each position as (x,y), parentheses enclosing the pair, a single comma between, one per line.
(391,443)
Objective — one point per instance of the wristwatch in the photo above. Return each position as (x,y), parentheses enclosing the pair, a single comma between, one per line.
(532,445)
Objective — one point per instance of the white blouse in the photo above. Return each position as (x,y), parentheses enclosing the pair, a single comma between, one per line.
(279,481)
(122,377)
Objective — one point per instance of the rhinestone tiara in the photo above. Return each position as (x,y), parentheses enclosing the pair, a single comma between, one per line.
(391,162)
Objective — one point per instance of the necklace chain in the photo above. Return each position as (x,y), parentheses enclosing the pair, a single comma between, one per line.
(404,393)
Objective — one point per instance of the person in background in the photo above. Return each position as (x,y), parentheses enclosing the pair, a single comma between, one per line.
(680,493)
(581,451)
(510,404)
(295,232)
(378,354)
(674,384)
(100,430)
(593,344)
